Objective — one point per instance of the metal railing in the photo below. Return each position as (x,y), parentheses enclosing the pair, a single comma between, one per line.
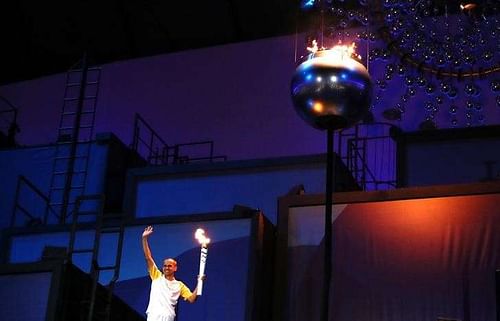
(179,153)
(369,152)
(151,146)
(147,143)
(31,203)
(8,122)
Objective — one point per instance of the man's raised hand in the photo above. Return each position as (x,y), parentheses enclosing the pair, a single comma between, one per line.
(147,231)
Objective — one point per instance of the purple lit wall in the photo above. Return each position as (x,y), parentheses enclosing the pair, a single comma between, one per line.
(236,95)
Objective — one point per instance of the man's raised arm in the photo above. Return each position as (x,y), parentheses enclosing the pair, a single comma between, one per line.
(145,247)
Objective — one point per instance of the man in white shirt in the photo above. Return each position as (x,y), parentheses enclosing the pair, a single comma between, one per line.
(165,289)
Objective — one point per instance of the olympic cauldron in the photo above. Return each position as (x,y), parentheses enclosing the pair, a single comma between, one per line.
(331,89)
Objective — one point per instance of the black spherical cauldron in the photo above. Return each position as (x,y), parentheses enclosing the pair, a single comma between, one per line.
(331,90)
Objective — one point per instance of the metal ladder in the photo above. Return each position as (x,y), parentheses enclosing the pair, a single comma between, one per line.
(76,127)
(90,208)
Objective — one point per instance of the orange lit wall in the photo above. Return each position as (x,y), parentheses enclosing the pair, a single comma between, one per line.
(406,260)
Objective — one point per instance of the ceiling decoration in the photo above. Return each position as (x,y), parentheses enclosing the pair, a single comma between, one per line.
(445,51)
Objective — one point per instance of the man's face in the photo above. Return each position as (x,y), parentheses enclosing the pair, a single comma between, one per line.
(169,267)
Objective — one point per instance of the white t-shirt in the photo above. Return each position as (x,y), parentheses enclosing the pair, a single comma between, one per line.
(164,295)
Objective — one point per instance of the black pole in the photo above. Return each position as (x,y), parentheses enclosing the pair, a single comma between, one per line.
(327,264)
(497,279)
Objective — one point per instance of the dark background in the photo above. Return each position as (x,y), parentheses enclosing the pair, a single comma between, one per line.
(45,37)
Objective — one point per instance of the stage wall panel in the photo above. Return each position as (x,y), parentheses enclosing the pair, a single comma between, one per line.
(414,259)
(24,297)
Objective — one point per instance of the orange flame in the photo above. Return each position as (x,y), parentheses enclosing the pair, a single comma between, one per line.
(314,46)
(339,51)
(345,50)
(468,6)
(200,236)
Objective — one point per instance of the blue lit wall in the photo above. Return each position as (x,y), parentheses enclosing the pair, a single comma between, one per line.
(451,162)
(256,188)
(24,296)
(35,163)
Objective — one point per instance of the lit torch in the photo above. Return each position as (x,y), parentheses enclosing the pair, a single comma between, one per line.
(200,236)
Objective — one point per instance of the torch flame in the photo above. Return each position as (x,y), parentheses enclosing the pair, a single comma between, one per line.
(200,236)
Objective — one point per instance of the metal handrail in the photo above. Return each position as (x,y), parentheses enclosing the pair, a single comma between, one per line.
(152,154)
(5,100)
(13,109)
(17,205)
(158,152)
(177,157)
(355,160)
(352,143)
(12,126)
